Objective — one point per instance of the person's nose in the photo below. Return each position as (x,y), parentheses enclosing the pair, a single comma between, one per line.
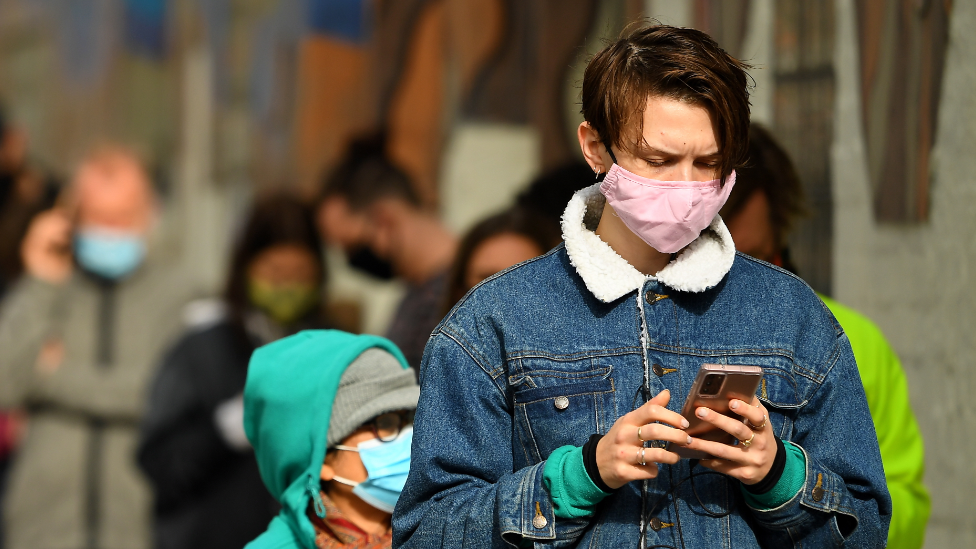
(685,171)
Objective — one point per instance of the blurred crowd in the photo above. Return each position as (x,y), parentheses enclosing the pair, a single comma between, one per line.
(122,387)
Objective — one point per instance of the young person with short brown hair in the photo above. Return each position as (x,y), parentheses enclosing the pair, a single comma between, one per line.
(546,414)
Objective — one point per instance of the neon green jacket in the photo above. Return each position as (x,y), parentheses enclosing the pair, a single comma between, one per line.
(902,449)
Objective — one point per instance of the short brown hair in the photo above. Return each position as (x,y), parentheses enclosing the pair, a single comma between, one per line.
(678,63)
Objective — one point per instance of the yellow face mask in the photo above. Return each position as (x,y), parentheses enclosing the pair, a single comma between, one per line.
(284,303)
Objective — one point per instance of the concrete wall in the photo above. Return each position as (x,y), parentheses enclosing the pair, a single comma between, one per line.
(916,281)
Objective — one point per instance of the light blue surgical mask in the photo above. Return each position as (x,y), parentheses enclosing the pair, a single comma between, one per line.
(387,465)
(109,253)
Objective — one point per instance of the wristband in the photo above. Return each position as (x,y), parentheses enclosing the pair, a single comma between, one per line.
(775,472)
(589,463)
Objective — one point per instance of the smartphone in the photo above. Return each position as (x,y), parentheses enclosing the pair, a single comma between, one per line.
(714,386)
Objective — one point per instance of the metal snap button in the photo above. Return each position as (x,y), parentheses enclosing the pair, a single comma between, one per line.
(652,297)
(656,524)
(561,403)
(539,521)
(658,370)
(818,491)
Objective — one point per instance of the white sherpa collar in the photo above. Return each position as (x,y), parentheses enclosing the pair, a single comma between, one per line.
(698,267)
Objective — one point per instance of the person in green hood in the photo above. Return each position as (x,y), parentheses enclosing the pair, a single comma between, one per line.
(330,417)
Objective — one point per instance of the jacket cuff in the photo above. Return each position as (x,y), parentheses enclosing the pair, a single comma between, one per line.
(573,492)
(822,490)
(790,482)
(535,518)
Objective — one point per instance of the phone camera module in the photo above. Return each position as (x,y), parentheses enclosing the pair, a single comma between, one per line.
(712,385)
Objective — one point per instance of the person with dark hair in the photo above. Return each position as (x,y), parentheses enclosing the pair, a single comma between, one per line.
(770,198)
(24,192)
(495,244)
(550,395)
(208,491)
(548,194)
(80,332)
(370,209)
(760,213)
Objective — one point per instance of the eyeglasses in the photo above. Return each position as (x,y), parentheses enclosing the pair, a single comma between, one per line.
(387,426)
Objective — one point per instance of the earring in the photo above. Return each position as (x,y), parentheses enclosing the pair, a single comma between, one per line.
(597,172)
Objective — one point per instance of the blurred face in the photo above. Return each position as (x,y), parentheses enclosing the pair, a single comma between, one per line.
(342,226)
(752,228)
(283,282)
(678,143)
(285,265)
(114,193)
(497,254)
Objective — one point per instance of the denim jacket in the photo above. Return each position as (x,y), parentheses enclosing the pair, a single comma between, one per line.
(557,348)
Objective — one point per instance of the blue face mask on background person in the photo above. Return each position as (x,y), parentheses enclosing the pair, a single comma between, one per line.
(387,465)
(109,253)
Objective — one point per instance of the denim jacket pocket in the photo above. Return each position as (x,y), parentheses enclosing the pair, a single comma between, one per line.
(779,393)
(562,410)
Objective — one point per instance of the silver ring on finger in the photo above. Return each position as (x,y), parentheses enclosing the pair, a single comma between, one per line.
(757,427)
(642,461)
(747,443)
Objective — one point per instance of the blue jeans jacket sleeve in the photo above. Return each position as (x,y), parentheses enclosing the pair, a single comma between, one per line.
(844,500)
(455,496)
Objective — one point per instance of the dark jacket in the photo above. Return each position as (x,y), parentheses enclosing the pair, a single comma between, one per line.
(208,494)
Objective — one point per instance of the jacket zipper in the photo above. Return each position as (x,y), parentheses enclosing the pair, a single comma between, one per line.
(96,439)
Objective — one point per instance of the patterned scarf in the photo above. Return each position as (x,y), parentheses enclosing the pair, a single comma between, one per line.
(335,531)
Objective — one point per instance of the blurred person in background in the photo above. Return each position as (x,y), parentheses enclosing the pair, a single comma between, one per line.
(23,193)
(330,415)
(760,213)
(548,194)
(79,335)
(208,491)
(495,244)
(370,209)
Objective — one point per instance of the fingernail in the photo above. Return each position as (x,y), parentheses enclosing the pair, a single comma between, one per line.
(689,440)
(684,423)
(734,404)
(702,412)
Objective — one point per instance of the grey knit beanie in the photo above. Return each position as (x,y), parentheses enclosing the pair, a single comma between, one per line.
(373,384)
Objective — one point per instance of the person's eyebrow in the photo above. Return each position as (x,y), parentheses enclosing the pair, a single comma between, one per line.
(646,150)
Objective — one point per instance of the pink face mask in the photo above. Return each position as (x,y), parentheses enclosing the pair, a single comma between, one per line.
(668,215)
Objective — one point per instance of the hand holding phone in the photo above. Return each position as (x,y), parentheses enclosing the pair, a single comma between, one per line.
(724,406)
(714,387)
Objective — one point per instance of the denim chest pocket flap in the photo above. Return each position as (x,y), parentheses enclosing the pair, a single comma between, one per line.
(780,395)
(556,404)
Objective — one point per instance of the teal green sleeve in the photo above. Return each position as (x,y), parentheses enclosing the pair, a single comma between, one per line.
(789,485)
(573,493)
(900,441)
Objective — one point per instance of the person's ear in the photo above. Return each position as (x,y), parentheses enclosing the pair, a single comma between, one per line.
(592,147)
(327,473)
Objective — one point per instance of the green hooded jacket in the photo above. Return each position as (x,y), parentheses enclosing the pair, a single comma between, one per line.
(291,385)
(902,448)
